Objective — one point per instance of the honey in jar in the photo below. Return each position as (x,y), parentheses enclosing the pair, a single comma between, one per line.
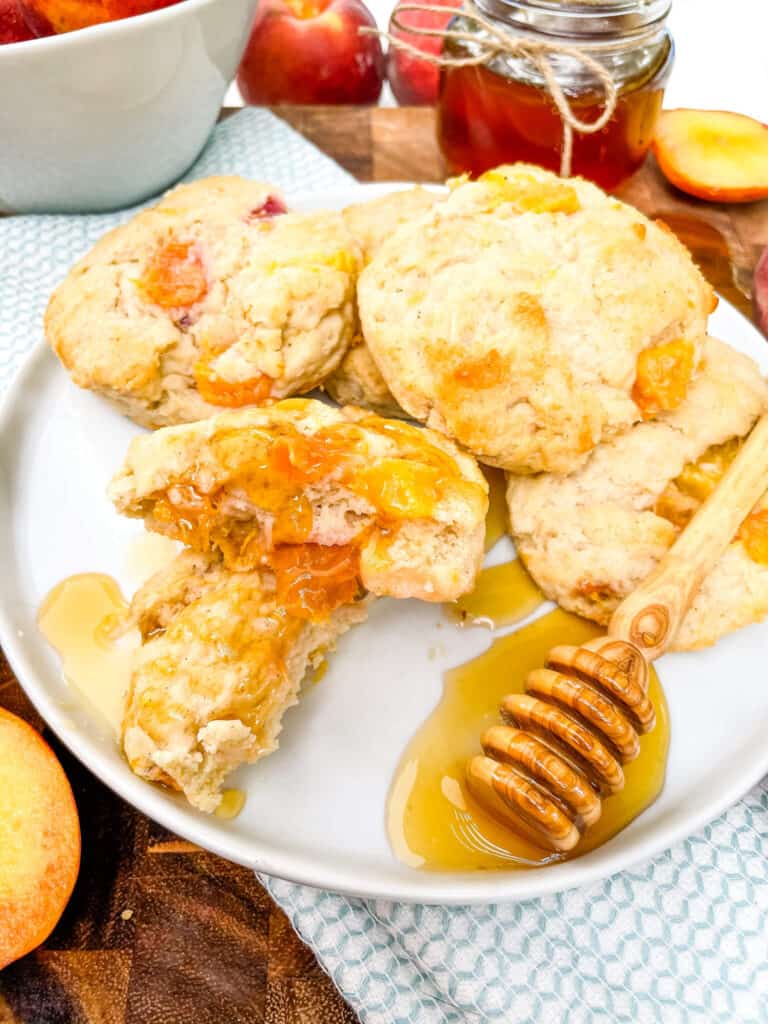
(501,111)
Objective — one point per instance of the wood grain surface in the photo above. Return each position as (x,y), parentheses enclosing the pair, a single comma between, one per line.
(160,932)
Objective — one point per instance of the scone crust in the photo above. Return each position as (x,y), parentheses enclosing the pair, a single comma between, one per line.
(220,665)
(590,538)
(518,333)
(358,380)
(372,222)
(279,302)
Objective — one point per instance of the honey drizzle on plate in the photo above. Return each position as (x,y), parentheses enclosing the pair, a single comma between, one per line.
(232,803)
(147,554)
(503,594)
(433,822)
(81,619)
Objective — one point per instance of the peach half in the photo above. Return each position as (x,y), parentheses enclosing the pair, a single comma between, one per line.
(714,154)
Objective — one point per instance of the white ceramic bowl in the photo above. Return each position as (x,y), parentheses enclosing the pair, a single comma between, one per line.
(104,117)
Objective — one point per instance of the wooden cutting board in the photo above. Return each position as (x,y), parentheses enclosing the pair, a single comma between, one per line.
(160,932)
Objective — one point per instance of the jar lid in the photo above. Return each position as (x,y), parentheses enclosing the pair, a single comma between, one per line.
(580,18)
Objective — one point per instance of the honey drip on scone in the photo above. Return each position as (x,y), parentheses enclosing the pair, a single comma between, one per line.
(432,820)
(81,619)
(311,580)
(402,487)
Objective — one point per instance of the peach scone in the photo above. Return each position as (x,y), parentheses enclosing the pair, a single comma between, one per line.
(223,656)
(398,510)
(590,538)
(358,380)
(530,318)
(216,297)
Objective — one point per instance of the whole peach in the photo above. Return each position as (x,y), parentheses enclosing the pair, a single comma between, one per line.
(13,27)
(39,839)
(310,51)
(414,81)
(70,15)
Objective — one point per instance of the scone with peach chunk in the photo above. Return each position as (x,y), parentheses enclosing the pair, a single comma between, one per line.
(401,509)
(216,297)
(590,538)
(223,657)
(358,380)
(531,317)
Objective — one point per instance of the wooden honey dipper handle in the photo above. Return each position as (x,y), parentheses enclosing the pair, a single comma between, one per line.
(651,615)
(560,752)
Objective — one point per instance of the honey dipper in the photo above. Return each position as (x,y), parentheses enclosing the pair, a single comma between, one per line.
(546,772)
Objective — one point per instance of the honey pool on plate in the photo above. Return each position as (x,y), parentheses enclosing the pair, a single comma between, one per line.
(433,822)
(503,594)
(85,619)
(81,619)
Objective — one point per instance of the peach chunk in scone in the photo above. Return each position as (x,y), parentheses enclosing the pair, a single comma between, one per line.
(402,507)
(218,297)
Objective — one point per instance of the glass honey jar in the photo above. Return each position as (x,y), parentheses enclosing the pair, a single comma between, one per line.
(500,110)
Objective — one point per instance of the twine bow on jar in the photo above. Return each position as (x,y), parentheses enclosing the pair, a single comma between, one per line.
(500,43)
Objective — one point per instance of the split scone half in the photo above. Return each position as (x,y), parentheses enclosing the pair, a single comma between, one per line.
(358,380)
(293,514)
(531,317)
(216,297)
(590,538)
(221,661)
(401,509)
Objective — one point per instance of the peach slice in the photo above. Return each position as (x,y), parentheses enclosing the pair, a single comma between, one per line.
(714,154)
(39,839)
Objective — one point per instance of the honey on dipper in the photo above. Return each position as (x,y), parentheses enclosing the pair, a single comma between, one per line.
(434,821)
(565,741)
(563,744)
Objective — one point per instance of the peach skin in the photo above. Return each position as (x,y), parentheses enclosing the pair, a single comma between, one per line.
(39,839)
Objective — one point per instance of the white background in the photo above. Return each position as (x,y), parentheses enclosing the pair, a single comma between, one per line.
(722,54)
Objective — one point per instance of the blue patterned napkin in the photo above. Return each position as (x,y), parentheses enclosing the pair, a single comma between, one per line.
(684,938)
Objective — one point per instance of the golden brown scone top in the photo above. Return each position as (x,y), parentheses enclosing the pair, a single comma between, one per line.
(531,317)
(295,479)
(590,538)
(214,298)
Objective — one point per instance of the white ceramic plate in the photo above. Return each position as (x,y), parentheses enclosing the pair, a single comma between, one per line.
(315,809)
